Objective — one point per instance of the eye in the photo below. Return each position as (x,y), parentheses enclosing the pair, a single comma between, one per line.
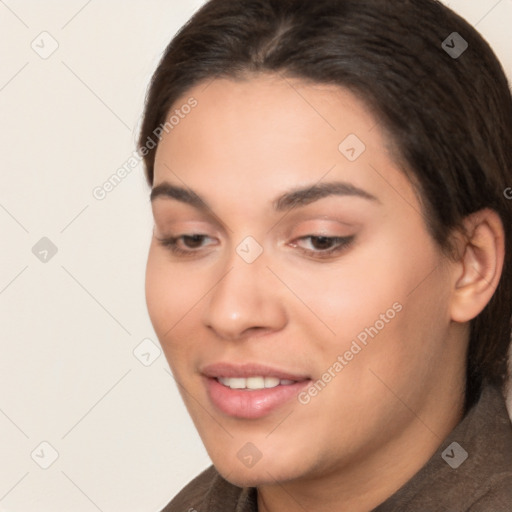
(184,245)
(323,246)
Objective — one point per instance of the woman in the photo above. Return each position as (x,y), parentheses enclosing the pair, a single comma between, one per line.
(330,272)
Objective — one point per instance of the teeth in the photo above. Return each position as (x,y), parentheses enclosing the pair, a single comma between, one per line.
(254,382)
(272,382)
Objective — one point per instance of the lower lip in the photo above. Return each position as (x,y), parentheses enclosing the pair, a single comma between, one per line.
(250,404)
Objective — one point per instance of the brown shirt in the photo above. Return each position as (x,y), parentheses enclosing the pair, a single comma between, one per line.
(470,472)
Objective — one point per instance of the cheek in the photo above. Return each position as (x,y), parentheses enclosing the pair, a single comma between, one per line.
(170,295)
(397,311)
(392,289)
(346,297)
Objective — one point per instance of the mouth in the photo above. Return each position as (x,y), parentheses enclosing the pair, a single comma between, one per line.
(247,371)
(250,391)
(254,383)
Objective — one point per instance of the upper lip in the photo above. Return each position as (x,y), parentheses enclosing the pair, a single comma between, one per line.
(224,369)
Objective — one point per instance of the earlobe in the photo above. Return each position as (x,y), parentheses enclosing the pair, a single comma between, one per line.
(480,265)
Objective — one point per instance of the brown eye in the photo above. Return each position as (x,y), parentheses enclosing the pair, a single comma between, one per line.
(193,241)
(320,246)
(185,245)
(322,243)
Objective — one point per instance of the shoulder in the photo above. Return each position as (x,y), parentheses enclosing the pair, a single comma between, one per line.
(497,497)
(209,491)
(472,469)
(193,495)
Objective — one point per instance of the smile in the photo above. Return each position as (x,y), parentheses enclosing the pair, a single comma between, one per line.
(253,383)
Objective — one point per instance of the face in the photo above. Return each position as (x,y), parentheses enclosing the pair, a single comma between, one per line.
(289,249)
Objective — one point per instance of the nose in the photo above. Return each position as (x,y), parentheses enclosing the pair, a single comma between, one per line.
(245,300)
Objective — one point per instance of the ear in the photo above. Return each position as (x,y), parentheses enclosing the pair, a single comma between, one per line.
(478,267)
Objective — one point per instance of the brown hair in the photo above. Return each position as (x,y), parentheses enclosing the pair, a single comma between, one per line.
(449,116)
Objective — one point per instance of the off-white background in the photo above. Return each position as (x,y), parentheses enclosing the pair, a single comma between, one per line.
(70,325)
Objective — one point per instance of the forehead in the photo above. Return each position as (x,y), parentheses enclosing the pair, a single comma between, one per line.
(269,133)
(259,112)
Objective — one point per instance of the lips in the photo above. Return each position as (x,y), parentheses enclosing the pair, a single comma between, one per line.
(228,370)
(258,382)
(250,391)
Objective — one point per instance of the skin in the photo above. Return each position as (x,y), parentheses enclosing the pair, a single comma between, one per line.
(378,421)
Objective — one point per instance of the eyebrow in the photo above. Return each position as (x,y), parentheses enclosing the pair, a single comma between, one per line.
(295,198)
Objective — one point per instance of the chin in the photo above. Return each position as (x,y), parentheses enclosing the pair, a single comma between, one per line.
(262,473)
(248,477)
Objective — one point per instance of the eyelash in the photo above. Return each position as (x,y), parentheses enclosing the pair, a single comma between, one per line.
(343,243)
(171,244)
